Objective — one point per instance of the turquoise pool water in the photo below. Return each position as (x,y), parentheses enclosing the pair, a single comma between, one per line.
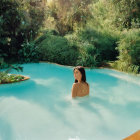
(42,108)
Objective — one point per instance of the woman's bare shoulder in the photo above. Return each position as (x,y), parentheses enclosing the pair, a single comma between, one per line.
(86,84)
(75,84)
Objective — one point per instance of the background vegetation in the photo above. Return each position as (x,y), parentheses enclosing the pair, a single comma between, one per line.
(91,33)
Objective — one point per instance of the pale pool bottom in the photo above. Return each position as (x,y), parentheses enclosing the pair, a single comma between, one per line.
(42,108)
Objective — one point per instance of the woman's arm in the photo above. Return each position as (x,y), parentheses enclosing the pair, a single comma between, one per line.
(74,90)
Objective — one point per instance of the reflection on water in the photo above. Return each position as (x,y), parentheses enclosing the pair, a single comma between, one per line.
(42,108)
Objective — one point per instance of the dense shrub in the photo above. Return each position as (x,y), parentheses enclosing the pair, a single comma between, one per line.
(129,52)
(104,42)
(87,53)
(90,30)
(28,52)
(19,22)
(10,21)
(6,77)
(95,47)
(54,48)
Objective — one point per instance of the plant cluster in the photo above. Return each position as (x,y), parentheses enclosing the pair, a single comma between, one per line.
(129,52)
(91,33)
(20,22)
(6,77)
(54,48)
(9,78)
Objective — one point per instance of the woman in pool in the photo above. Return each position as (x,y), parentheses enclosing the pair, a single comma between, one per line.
(80,87)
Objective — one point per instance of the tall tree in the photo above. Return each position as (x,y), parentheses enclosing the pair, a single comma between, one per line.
(68,13)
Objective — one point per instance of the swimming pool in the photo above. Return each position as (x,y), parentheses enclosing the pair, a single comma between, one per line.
(42,108)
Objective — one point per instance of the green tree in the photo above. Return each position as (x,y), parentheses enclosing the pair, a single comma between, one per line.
(20,21)
(127,13)
(69,14)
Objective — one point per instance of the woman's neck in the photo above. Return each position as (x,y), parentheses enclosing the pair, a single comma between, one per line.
(80,81)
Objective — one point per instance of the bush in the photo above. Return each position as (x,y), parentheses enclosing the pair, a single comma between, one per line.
(10,21)
(104,42)
(54,48)
(129,52)
(95,47)
(9,78)
(87,53)
(5,77)
(28,52)
(19,21)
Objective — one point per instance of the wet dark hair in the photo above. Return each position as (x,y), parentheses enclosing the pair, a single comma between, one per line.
(82,70)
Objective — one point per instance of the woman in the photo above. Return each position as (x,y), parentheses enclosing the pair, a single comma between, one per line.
(80,87)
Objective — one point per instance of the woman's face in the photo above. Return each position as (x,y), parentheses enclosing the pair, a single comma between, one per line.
(77,75)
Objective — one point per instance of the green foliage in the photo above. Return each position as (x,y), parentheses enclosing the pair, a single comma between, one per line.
(91,31)
(87,53)
(19,21)
(127,12)
(129,52)
(16,67)
(116,14)
(9,78)
(5,77)
(66,15)
(103,42)
(95,47)
(28,52)
(103,15)
(9,23)
(3,64)
(54,48)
